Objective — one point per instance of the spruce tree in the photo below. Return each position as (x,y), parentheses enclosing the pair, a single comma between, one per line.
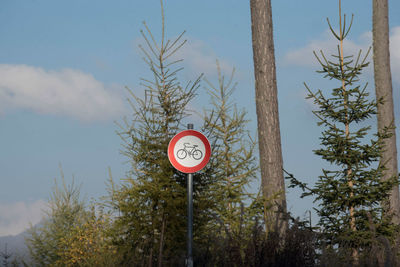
(151,202)
(349,194)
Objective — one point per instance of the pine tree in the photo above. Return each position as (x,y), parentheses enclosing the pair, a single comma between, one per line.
(66,211)
(233,168)
(151,202)
(349,195)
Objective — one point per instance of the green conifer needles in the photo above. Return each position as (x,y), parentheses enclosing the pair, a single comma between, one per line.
(349,195)
(151,204)
(233,168)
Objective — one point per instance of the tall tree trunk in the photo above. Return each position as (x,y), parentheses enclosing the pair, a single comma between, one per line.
(383,89)
(272,180)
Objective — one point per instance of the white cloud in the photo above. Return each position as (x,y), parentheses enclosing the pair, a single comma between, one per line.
(17,217)
(67,92)
(200,58)
(328,44)
(304,55)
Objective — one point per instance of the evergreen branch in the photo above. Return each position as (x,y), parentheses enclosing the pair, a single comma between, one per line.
(176,49)
(320,62)
(166,46)
(152,38)
(149,82)
(357,60)
(331,28)
(148,62)
(148,44)
(148,58)
(294,182)
(174,62)
(348,30)
(366,56)
(172,74)
(355,69)
(175,43)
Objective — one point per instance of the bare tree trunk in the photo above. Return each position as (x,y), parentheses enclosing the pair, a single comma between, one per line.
(272,180)
(383,89)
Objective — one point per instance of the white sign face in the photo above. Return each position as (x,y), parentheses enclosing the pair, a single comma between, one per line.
(189,151)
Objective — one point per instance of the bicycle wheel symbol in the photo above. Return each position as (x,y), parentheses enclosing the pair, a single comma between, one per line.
(181,154)
(197,154)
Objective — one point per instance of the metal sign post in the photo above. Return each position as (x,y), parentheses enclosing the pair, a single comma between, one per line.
(189,151)
(190,220)
(190,214)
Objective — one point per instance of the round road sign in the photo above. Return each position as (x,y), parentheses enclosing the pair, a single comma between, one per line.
(189,151)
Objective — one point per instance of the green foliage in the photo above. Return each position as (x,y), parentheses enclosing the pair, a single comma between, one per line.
(349,195)
(65,211)
(233,148)
(260,250)
(88,244)
(232,168)
(150,226)
(148,222)
(70,234)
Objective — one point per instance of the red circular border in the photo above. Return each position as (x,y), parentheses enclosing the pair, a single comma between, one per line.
(179,166)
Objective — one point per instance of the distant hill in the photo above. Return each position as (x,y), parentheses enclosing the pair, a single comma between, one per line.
(16,246)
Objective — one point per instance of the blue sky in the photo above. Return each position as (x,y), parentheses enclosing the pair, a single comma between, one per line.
(64,66)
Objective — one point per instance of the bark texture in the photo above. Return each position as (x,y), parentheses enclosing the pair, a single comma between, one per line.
(269,138)
(383,89)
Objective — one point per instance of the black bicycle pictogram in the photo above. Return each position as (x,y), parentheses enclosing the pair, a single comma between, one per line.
(192,151)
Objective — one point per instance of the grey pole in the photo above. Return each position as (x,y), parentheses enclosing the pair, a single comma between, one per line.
(190,214)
